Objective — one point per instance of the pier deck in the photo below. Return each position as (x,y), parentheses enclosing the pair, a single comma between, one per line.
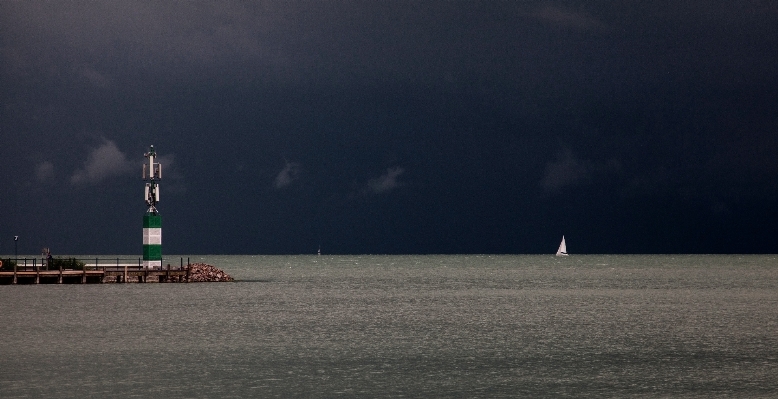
(91,275)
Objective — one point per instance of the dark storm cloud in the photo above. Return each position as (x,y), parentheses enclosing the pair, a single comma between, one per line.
(96,42)
(565,171)
(564,17)
(517,121)
(107,45)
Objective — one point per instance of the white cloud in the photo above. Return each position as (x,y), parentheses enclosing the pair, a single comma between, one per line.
(103,162)
(287,175)
(387,181)
(44,171)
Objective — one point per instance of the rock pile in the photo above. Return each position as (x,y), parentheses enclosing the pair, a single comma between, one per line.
(201,272)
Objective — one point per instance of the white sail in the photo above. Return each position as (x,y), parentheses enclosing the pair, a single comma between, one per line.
(562,251)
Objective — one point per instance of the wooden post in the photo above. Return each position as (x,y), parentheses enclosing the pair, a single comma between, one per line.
(14,282)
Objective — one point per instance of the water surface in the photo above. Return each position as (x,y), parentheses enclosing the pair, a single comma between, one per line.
(405,326)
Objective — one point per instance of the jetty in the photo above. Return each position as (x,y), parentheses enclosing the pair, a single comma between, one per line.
(99,271)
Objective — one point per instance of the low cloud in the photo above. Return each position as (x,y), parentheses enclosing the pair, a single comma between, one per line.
(94,77)
(103,162)
(568,170)
(44,171)
(287,175)
(386,182)
(566,18)
(565,171)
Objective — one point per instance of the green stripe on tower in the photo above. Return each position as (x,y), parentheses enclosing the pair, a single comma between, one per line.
(150,220)
(152,241)
(152,252)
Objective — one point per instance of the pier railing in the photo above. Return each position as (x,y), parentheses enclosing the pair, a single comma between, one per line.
(104,264)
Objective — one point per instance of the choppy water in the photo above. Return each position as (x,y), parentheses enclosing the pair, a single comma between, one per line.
(405,326)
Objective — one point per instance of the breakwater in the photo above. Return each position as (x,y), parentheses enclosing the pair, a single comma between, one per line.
(202,272)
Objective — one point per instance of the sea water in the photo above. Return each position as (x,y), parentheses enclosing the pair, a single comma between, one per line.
(463,326)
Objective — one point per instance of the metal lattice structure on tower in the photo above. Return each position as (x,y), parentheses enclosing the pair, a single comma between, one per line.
(152,221)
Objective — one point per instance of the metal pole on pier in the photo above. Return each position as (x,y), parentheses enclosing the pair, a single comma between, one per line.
(152,222)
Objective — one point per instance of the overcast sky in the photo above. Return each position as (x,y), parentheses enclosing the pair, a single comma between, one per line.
(391,126)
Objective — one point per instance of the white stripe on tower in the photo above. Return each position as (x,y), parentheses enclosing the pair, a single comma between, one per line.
(152,241)
(152,236)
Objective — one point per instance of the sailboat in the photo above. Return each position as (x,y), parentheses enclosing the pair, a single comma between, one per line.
(562,251)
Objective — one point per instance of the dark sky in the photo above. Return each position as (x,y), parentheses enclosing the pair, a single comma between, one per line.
(390,127)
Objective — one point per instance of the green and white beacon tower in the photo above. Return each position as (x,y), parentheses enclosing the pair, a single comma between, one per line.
(152,222)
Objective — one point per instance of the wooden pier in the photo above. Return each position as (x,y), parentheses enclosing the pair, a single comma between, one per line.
(96,275)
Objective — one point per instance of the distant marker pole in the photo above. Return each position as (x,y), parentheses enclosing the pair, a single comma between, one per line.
(152,221)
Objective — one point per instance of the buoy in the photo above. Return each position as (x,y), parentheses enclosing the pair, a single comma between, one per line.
(1,263)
